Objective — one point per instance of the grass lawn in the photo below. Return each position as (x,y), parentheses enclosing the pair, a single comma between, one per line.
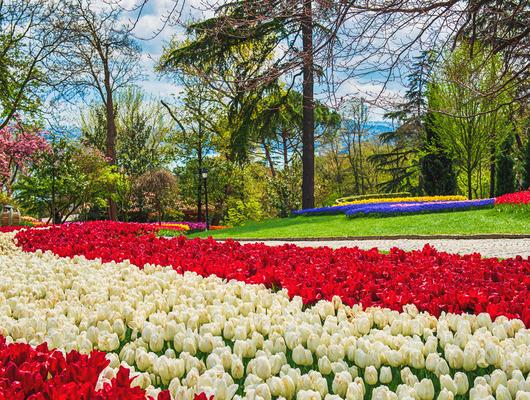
(454,223)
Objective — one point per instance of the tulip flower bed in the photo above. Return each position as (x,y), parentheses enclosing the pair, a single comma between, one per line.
(408,199)
(38,373)
(178,334)
(431,280)
(405,206)
(514,200)
(408,208)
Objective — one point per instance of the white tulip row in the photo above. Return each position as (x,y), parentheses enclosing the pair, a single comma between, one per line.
(234,340)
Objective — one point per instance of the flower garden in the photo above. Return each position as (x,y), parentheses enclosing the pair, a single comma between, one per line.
(424,204)
(107,310)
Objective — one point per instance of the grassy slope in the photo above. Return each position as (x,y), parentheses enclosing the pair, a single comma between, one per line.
(464,223)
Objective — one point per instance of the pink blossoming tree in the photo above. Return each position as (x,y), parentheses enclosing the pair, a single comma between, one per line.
(19,148)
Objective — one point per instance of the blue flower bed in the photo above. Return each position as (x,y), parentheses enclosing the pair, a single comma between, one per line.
(332,210)
(397,208)
(406,208)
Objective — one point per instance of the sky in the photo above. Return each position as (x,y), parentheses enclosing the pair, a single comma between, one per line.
(152,39)
(149,27)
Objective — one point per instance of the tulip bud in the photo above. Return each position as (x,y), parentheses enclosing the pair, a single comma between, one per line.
(447,383)
(498,377)
(142,380)
(237,370)
(156,343)
(289,386)
(385,375)
(424,389)
(502,393)
(262,367)
(354,392)
(324,365)
(341,382)
(445,395)
(276,386)
(462,383)
(370,375)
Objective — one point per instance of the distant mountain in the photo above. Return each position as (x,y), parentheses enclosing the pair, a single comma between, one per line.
(377,127)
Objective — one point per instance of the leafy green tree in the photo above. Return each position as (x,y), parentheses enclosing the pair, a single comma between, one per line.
(30,33)
(67,179)
(470,127)
(144,133)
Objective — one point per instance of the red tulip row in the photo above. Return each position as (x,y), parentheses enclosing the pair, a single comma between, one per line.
(433,281)
(514,198)
(42,374)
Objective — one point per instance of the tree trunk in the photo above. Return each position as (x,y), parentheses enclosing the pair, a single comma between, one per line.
(285,150)
(469,188)
(111,141)
(199,193)
(361,172)
(308,119)
(269,158)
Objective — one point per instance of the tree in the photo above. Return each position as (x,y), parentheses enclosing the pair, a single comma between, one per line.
(99,55)
(144,135)
(437,173)
(353,132)
(26,43)
(505,179)
(159,188)
(273,25)
(69,177)
(470,127)
(325,39)
(20,148)
(196,119)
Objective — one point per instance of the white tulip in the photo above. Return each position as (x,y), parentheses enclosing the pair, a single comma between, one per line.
(445,395)
(324,365)
(447,382)
(340,383)
(370,375)
(502,393)
(424,389)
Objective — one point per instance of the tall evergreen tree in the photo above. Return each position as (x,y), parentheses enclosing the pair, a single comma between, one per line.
(437,173)
(504,168)
(416,161)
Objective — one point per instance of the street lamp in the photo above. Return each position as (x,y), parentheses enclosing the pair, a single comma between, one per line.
(204,174)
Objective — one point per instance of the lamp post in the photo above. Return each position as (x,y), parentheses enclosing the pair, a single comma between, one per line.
(204,174)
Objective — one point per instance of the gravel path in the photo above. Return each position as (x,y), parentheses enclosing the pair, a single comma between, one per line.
(502,248)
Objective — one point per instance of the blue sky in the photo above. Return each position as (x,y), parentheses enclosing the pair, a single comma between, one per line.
(152,40)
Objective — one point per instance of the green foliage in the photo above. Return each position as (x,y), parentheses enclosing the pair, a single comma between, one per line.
(403,160)
(240,211)
(5,199)
(67,179)
(469,126)
(144,133)
(526,164)
(284,191)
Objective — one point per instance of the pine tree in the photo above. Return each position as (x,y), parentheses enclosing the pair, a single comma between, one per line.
(504,169)
(438,176)
(417,162)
